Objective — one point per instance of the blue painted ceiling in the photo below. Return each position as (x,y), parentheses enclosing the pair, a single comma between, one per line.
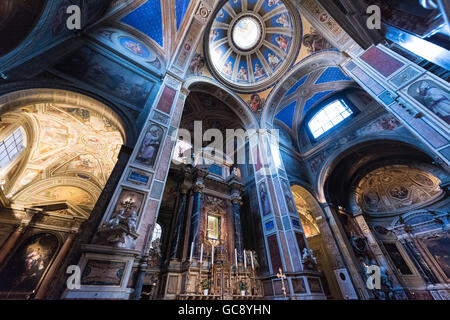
(147,19)
(329,75)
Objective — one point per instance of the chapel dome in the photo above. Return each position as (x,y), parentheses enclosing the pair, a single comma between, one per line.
(251,43)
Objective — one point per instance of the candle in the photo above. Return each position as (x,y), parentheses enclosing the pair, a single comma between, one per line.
(251,255)
(245,260)
(212,254)
(201,255)
(192,251)
(235,257)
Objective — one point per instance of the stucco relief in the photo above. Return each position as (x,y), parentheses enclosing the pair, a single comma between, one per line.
(395,188)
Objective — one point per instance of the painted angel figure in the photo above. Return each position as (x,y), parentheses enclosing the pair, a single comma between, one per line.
(242,75)
(259,72)
(284,20)
(134,47)
(273,59)
(272,3)
(282,41)
(227,68)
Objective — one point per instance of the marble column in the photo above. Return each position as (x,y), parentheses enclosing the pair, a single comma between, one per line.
(195,216)
(236,201)
(50,276)
(177,236)
(238,241)
(358,282)
(140,278)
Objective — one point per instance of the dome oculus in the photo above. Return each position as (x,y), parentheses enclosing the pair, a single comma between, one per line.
(246,33)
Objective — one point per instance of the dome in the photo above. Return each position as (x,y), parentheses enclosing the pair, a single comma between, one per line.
(251,44)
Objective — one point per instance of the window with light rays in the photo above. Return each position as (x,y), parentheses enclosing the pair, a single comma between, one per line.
(12,147)
(329,117)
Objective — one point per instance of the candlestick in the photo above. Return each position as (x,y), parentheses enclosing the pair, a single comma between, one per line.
(251,255)
(235,258)
(245,260)
(201,255)
(212,254)
(192,251)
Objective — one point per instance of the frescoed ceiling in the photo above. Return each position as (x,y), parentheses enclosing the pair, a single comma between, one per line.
(252,42)
(248,46)
(158,21)
(70,147)
(396,188)
(305,210)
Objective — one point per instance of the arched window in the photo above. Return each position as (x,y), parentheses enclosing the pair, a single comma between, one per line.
(12,147)
(328,117)
(157,232)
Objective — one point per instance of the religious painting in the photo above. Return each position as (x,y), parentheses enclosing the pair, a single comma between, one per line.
(282,42)
(28,265)
(288,196)
(315,42)
(135,47)
(242,73)
(213,227)
(99,71)
(256,103)
(384,123)
(439,248)
(149,148)
(433,96)
(197,64)
(397,258)
(265,201)
(103,273)
(259,71)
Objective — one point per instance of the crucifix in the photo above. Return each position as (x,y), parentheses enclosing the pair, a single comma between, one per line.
(282,276)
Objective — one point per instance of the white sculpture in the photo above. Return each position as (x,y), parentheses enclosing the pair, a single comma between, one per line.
(308,256)
(132,221)
(115,221)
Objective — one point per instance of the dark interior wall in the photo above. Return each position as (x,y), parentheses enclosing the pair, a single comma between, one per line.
(17,20)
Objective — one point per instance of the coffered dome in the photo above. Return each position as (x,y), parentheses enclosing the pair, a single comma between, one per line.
(251,43)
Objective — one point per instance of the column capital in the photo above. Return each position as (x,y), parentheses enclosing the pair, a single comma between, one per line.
(236,199)
(198,187)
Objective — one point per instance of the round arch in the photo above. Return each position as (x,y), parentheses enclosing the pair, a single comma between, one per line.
(352,147)
(231,99)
